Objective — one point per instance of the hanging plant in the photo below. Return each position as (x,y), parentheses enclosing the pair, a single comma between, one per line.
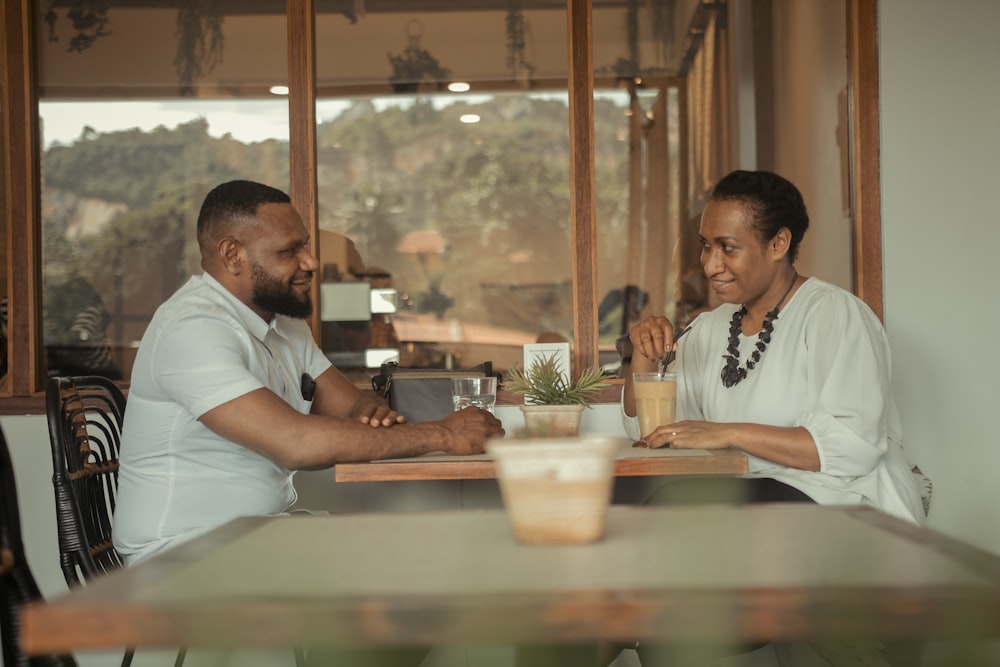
(415,65)
(89,20)
(199,41)
(199,34)
(521,70)
(627,69)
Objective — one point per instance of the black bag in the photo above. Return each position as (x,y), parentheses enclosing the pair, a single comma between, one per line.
(422,394)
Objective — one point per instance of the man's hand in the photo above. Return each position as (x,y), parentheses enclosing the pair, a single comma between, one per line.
(377,414)
(470,429)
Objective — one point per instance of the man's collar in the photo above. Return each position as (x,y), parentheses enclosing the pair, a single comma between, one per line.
(253,322)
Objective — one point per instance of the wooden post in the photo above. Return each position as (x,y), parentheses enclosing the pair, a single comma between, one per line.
(866,180)
(583,201)
(302,127)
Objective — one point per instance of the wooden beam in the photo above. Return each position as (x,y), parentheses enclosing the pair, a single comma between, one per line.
(866,181)
(22,203)
(302,127)
(583,202)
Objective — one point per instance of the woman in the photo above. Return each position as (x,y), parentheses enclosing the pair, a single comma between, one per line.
(791,370)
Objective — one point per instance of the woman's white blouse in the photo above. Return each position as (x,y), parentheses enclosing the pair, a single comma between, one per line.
(827,369)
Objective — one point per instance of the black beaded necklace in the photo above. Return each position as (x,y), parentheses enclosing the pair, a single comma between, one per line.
(732,374)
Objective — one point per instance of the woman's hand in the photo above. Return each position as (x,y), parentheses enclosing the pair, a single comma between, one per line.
(652,338)
(691,435)
(791,446)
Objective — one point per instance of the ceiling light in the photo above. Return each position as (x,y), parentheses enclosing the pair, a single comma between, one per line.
(469,118)
(458,86)
(278,90)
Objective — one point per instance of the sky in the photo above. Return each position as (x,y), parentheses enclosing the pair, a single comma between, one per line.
(246,120)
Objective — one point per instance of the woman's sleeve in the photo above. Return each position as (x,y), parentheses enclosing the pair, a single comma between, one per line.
(631,424)
(848,376)
(692,365)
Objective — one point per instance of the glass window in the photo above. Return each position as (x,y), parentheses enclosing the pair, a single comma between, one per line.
(642,47)
(444,168)
(4,298)
(449,210)
(639,204)
(142,111)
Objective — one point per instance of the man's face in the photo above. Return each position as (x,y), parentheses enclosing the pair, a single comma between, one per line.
(281,266)
(279,295)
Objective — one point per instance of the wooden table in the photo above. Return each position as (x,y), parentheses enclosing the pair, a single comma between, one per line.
(681,574)
(633,462)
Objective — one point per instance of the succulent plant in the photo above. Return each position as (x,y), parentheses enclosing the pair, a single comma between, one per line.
(543,383)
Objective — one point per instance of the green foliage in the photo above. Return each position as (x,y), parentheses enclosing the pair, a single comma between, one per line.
(415,65)
(543,384)
(120,207)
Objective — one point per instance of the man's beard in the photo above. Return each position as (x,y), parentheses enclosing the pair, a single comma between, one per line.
(276,297)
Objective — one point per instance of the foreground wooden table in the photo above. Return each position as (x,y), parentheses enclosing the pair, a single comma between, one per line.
(683,574)
(634,462)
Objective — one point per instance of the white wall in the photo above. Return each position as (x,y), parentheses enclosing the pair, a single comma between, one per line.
(940,126)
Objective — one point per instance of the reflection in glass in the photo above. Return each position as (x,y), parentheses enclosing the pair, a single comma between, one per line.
(453,178)
(133,138)
(4,299)
(444,159)
(469,221)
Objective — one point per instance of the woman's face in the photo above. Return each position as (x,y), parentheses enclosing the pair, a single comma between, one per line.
(740,268)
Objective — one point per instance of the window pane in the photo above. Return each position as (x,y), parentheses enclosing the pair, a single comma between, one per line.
(460,199)
(4,299)
(637,168)
(142,112)
(638,50)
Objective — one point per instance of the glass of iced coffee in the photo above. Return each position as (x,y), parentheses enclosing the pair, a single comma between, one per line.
(655,399)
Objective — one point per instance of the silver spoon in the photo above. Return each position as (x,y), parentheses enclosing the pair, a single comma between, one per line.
(670,355)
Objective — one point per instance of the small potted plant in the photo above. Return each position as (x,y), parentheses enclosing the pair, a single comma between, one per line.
(552,404)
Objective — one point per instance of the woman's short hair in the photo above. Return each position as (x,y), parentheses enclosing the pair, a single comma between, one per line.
(773,202)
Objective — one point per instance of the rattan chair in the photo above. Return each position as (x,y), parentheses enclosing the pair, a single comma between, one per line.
(17,583)
(85,416)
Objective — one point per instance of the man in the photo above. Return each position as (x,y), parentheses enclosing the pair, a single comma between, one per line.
(230,393)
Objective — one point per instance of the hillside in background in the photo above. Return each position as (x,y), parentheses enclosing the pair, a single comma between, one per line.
(119,208)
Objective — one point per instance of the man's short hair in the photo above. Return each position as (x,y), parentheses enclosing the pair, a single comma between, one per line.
(234,201)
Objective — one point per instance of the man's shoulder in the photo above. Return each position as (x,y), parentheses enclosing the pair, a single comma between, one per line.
(196,298)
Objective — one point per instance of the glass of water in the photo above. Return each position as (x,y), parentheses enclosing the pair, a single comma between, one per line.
(480,392)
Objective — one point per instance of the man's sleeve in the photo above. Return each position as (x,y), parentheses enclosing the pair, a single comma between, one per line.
(202,362)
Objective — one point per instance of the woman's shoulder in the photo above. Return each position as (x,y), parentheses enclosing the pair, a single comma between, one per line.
(828,307)
(817,293)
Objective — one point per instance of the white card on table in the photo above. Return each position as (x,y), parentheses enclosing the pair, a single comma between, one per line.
(542,351)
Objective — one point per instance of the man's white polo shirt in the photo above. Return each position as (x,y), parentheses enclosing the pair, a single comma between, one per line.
(203,348)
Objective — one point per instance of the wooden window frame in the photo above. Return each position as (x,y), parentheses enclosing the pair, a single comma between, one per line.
(22,392)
